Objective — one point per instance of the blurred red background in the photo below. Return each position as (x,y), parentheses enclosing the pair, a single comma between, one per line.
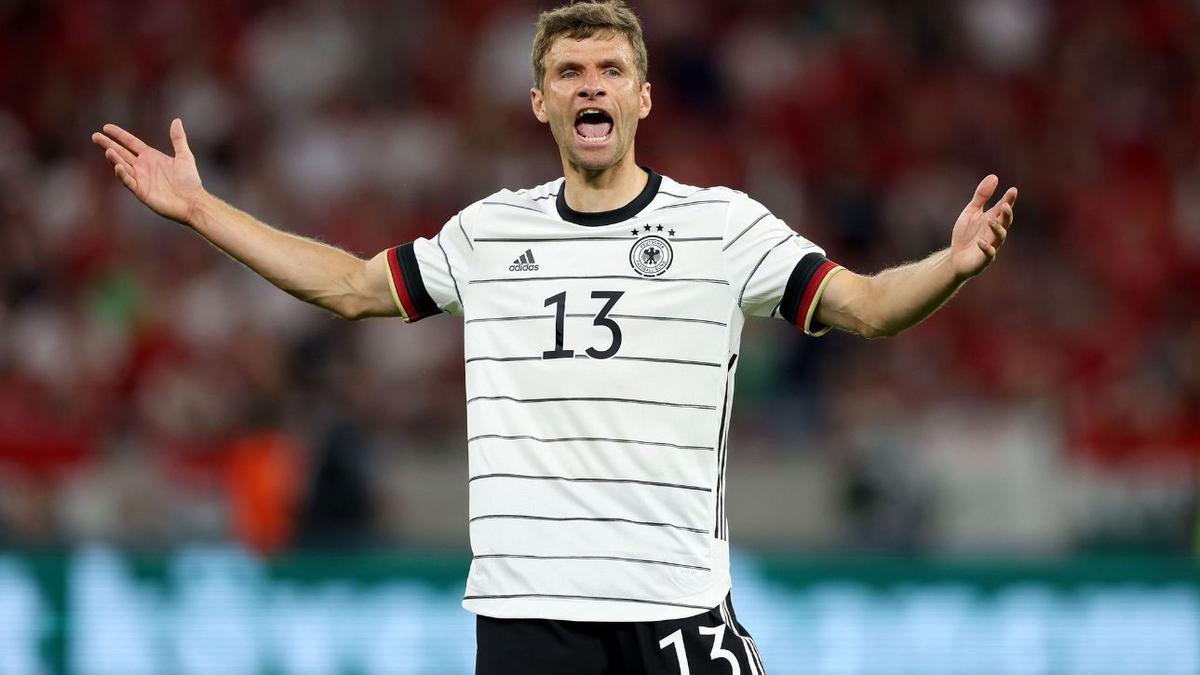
(152,391)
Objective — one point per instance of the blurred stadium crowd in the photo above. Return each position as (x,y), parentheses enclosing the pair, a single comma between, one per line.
(152,391)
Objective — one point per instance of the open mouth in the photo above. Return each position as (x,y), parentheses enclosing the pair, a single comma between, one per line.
(593,125)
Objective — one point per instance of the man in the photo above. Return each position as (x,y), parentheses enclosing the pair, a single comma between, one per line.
(603,314)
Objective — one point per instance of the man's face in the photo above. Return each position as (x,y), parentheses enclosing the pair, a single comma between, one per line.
(592,99)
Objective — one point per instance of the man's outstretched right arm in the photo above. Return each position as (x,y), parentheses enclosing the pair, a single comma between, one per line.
(310,270)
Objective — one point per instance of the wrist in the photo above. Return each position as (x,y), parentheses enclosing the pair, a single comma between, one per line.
(198,208)
(958,275)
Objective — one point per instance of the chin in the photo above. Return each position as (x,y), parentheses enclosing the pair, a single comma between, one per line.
(591,161)
(595,166)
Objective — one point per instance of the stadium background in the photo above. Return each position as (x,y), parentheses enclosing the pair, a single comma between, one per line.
(200,474)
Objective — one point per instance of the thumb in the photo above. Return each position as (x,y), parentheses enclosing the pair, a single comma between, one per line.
(179,138)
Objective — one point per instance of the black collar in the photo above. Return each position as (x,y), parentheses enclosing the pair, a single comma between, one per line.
(616,215)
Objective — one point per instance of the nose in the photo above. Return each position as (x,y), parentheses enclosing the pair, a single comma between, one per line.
(592,86)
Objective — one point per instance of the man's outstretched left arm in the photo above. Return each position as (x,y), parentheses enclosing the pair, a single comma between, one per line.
(901,297)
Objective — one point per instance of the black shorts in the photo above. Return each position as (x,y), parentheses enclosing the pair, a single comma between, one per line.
(712,643)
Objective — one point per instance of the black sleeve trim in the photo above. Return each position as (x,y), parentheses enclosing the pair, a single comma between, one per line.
(423,304)
(793,295)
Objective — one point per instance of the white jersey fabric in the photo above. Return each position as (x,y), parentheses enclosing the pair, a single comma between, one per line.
(601,350)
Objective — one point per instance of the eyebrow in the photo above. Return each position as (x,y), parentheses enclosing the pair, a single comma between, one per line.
(606,63)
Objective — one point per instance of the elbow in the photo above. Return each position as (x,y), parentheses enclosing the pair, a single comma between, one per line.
(351,298)
(874,330)
(351,313)
(353,309)
(873,333)
(343,306)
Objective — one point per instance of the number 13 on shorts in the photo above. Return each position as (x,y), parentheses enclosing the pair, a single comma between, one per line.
(717,633)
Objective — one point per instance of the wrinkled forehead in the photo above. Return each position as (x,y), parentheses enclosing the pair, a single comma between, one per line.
(605,46)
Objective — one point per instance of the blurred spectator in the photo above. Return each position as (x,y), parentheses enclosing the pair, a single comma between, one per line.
(131,353)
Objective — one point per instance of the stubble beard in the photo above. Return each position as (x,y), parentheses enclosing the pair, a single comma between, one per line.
(594,164)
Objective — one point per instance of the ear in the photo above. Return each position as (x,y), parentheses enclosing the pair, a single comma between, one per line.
(538,104)
(644,108)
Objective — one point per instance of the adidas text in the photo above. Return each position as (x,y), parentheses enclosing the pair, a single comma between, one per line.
(524,263)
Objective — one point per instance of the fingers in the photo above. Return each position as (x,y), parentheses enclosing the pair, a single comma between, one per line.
(999,231)
(989,251)
(111,146)
(126,177)
(126,139)
(1003,209)
(112,156)
(984,191)
(179,138)
(1010,196)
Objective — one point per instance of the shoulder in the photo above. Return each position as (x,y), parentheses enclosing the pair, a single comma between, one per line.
(672,189)
(546,192)
(539,199)
(733,205)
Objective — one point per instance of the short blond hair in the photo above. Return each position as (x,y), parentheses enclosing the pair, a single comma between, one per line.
(582,19)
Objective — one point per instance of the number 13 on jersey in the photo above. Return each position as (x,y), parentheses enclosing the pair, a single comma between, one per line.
(718,634)
(559,300)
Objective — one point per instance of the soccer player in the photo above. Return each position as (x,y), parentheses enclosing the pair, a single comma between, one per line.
(602,316)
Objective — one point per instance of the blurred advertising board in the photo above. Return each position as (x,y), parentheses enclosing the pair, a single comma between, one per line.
(203,611)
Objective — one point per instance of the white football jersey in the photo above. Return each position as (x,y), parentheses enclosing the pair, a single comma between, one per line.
(601,350)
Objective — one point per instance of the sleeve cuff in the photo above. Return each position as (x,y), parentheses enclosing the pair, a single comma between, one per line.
(803,293)
(408,290)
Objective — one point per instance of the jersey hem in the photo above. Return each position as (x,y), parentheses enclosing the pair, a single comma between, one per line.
(591,609)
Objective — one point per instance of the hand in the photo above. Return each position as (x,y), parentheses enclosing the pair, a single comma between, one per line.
(168,185)
(978,234)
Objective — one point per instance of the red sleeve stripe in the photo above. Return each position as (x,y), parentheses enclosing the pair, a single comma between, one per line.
(405,302)
(812,293)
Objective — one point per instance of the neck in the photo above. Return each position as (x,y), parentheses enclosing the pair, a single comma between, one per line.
(604,190)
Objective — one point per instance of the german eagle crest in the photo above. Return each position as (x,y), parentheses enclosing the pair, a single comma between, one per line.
(651,256)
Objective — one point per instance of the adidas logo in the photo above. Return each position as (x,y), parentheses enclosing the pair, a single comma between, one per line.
(525,263)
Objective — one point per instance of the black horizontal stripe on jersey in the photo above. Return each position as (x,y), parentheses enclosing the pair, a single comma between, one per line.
(600,276)
(758,264)
(515,206)
(745,230)
(611,558)
(588,439)
(648,359)
(693,194)
(698,202)
(569,479)
(587,519)
(592,399)
(581,597)
(549,196)
(793,294)
(657,359)
(565,240)
(646,317)
(638,317)
(514,240)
